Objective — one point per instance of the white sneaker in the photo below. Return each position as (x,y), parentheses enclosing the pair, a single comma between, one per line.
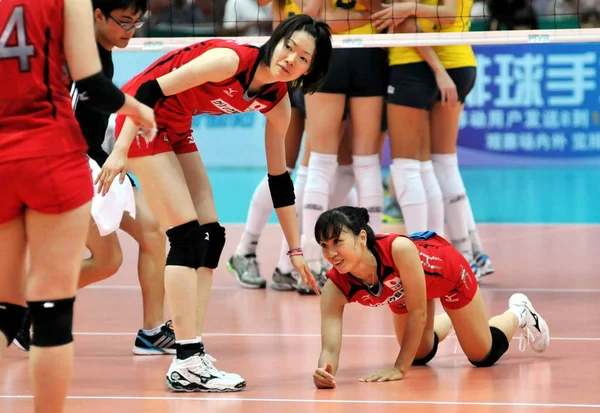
(535,328)
(198,374)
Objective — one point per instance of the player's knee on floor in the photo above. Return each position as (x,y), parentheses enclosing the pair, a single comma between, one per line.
(52,322)
(499,347)
(188,245)
(11,319)
(215,234)
(424,360)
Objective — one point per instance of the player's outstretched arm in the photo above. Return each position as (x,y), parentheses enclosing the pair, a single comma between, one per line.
(214,65)
(332,312)
(281,185)
(407,260)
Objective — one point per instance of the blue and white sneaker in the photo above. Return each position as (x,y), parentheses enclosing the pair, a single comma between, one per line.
(160,343)
(484,263)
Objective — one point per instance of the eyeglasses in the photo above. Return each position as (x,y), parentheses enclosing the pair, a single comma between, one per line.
(127,26)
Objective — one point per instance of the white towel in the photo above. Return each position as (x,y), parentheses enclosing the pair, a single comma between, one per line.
(108,210)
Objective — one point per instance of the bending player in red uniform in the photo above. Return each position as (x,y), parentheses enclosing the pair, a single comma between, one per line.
(215,77)
(45,177)
(408,273)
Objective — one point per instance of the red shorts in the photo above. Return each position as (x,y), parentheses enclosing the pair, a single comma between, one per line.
(458,285)
(465,283)
(175,134)
(49,185)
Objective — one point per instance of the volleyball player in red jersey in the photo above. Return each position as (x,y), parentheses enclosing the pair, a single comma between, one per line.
(215,77)
(45,177)
(407,273)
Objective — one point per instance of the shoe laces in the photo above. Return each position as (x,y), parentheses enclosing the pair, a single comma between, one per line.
(208,360)
(250,265)
(168,329)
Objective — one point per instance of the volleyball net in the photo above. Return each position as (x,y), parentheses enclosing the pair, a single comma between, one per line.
(535,101)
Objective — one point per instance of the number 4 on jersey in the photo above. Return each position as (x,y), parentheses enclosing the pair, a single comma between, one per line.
(21,50)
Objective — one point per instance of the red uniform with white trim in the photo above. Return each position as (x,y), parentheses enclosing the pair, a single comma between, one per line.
(448,275)
(174,113)
(43,164)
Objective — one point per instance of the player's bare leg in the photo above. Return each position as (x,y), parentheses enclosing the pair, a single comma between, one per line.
(56,245)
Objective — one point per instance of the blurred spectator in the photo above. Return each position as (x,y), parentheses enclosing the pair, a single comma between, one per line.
(178,12)
(512,15)
(246,18)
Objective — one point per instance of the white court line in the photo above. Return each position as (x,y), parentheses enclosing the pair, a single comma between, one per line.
(483,288)
(328,401)
(300,335)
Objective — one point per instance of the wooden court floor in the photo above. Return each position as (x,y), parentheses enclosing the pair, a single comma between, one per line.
(272,339)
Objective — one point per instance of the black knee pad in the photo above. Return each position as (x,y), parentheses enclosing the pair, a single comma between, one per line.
(424,360)
(499,347)
(188,243)
(11,320)
(216,241)
(52,322)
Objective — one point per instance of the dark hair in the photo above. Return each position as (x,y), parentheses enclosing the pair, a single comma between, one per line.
(312,81)
(108,6)
(331,224)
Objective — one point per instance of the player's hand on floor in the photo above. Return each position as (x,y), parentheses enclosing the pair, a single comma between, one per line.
(115,164)
(303,269)
(383,375)
(324,378)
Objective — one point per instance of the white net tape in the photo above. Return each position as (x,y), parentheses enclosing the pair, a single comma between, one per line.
(503,37)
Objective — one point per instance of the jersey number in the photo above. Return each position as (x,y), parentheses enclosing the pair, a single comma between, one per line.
(22,50)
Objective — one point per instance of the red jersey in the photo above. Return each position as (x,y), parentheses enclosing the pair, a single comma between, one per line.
(447,275)
(215,98)
(36,117)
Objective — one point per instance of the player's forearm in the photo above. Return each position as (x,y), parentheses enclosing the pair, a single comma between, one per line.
(341,20)
(289,225)
(329,356)
(427,53)
(411,340)
(445,14)
(126,137)
(432,59)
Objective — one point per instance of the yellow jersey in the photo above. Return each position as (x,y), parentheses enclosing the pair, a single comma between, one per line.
(352,5)
(282,9)
(452,57)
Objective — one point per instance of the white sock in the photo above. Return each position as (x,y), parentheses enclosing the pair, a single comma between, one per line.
(247,245)
(190,341)
(367,171)
(455,197)
(321,169)
(284,264)
(199,338)
(435,202)
(410,192)
(473,233)
(261,208)
(352,198)
(342,184)
(521,313)
(153,331)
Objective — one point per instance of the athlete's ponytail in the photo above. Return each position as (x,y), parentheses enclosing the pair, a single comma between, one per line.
(331,224)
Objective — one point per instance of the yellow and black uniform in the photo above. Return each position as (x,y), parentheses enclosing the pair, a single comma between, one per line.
(412,82)
(357,72)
